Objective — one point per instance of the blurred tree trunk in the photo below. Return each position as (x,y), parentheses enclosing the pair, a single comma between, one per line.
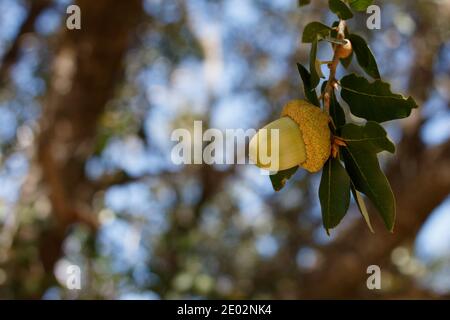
(85,70)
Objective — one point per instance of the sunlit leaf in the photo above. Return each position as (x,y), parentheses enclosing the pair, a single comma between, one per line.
(318,67)
(360,5)
(315,30)
(374,100)
(315,77)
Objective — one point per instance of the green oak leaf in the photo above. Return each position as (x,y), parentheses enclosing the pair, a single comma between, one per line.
(364,170)
(315,77)
(374,101)
(308,89)
(334,193)
(315,30)
(340,9)
(364,56)
(372,133)
(318,66)
(279,179)
(360,5)
(361,206)
(336,112)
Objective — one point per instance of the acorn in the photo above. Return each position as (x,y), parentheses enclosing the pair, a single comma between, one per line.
(344,50)
(303,139)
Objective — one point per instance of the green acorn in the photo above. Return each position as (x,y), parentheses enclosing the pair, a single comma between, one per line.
(303,139)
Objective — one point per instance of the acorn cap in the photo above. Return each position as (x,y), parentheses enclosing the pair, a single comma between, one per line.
(313,124)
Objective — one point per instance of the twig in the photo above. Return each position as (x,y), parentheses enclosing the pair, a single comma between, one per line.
(333,66)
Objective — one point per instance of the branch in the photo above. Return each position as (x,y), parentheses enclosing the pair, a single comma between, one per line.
(333,66)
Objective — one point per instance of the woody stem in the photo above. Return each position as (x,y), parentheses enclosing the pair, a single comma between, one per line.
(333,66)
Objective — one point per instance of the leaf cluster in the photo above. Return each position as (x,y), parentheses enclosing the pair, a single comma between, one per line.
(356,169)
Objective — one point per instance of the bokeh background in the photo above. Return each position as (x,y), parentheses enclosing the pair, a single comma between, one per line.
(86,176)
